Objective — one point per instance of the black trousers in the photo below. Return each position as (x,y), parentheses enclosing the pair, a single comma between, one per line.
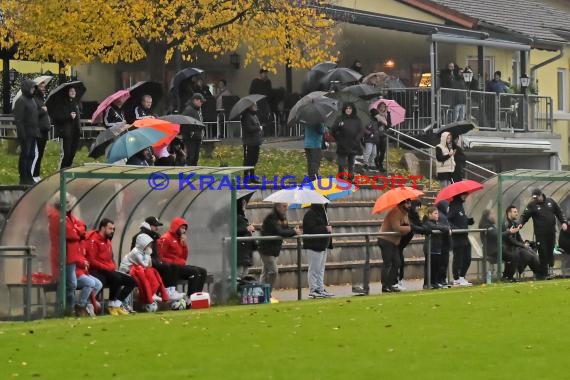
(314,156)
(345,163)
(69,146)
(41,146)
(27,151)
(380,153)
(511,260)
(168,273)
(120,284)
(192,151)
(528,258)
(391,262)
(435,268)
(545,242)
(443,266)
(250,158)
(461,260)
(196,277)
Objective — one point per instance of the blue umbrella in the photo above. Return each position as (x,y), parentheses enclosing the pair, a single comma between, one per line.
(330,187)
(133,142)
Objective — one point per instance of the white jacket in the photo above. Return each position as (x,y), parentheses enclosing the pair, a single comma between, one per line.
(137,256)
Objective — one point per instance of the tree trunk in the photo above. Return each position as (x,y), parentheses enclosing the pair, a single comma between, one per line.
(156,55)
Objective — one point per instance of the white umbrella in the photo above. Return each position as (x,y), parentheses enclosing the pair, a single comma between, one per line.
(296,195)
(38,80)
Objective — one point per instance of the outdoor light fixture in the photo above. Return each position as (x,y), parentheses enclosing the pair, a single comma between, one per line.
(389,63)
(13,75)
(467,76)
(525,81)
(235,60)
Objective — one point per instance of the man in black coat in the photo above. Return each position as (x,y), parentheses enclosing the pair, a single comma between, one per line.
(544,212)
(316,222)
(515,243)
(251,140)
(461,245)
(193,135)
(26,117)
(347,130)
(274,224)
(490,239)
(67,126)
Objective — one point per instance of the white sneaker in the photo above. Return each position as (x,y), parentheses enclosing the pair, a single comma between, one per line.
(37,179)
(456,282)
(464,282)
(326,294)
(173,295)
(400,285)
(90,310)
(156,298)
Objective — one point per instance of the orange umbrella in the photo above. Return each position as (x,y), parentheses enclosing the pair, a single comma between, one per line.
(393,197)
(171,130)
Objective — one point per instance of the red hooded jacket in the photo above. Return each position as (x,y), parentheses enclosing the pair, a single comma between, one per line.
(74,231)
(99,252)
(170,248)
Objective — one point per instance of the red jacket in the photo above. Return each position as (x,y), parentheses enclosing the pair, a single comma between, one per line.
(170,248)
(74,232)
(99,252)
(81,268)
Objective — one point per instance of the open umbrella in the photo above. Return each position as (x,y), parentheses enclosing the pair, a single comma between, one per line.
(167,127)
(98,114)
(41,79)
(324,67)
(458,128)
(311,109)
(182,120)
(329,187)
(132,142)
(392,198)
(297,195)
(104,139)
(314,75)
(341,75)
(243,104)
(182,75)
(375,79)
(466,186)
(364,91)
(397,112)
(60,93)
(137,91)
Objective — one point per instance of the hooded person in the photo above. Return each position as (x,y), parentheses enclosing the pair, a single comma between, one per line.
(173,249)
(461,246)
(445,165)
(66,117)
(26,117)
(347,131)
(443,208)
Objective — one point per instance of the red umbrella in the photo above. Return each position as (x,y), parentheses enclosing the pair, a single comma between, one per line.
(466,186)
(167,127)
(393,197)
(97,115)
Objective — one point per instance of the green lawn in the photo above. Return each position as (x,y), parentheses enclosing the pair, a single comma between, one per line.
(514,331)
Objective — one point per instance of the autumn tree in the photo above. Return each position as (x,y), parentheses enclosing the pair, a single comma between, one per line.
(273,32)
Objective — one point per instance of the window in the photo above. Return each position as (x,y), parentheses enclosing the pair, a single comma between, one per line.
(561,86)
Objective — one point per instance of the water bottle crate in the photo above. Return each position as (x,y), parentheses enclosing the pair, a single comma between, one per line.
(255,294)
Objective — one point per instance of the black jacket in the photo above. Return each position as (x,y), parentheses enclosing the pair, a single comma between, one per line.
(65,126)
(44,122)
(114,117)
(543,215)
(193,132)
(244,248)
(348,131)
(491,237)
(274,225)
(436,239)
(460,163)
(512,241)
(26,113)
(442,221)
(459,221)
(416,226)
(315,222)
(155,236)
(251,129)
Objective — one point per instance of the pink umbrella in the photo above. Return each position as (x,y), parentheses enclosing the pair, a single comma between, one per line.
(98,114)
(397,112)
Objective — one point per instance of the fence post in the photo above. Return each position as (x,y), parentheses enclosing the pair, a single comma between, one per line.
(299,268)
(428,262)
(366,279)
(485,258)
(28,306)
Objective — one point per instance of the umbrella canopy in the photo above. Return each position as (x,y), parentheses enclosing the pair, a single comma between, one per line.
(466,186)
(312,80)
(331,188)
(392,198)
(376,79)
(98,114)
(182,120)
(137,91)
(104,139)
(60,93)
(133,142)
(182,75)
(397,112)
(324,67)
(243,104)
(312,109)
(364,91)
(297,195)
(458,128)
(341,75)
(167,127)
(41,79)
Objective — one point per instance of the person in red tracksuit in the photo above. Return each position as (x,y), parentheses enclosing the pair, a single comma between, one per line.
(74,234)
(99,252)
(173,248)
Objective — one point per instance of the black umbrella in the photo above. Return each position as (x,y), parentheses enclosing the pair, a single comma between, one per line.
(182,120)
(177,81)
(243,104)
(364,91)
(341,75)
(104,139)
(312,109)
(137,91)
(324,67)
(458,128)
(60,93)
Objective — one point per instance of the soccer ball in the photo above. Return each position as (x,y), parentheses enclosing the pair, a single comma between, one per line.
(151,307)
(178,304)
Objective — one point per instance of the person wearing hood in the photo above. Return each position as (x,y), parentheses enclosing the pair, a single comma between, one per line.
(443,208)
(245,248)
(445,165)
(251,131)
(383,120)
(544,211)
(26,117)
(316,221)
(173,249)
(67,127)
(461,245)
(192,135)
(460,160)
(490,239)
(433,247)
(416,228)
(347,131)
(44,128)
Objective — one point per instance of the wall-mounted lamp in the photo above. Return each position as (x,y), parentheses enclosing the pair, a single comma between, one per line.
(235,60)
(525,81)
(13,75)
(389,64)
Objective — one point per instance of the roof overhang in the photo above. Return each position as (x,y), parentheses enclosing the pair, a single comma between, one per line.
(490,42)
(494,143)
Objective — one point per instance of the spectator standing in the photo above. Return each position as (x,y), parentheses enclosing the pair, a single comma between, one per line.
(434,248)
(67,127)
(44,125)
(245,248)
(262,84)
(445,165)
(416,228)
(347,130)
(460,160)
(544,211)
(193,135)
(26,118)
(461,246)
(370,140)
(443,208)
(383,120)
(497,85)
(221,91)
(315,222)
(251,139)
(313,142)
(144,157)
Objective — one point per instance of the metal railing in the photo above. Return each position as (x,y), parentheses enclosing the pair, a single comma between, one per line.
(27,257)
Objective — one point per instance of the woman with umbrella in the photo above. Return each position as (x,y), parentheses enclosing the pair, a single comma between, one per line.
(382,117)
(67,127)
(347,131)
(114,116)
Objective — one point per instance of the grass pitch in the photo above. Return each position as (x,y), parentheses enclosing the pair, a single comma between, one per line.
(494,332)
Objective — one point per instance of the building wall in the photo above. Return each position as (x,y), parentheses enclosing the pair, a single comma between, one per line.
(388,7)
(26,67)
(99,79)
